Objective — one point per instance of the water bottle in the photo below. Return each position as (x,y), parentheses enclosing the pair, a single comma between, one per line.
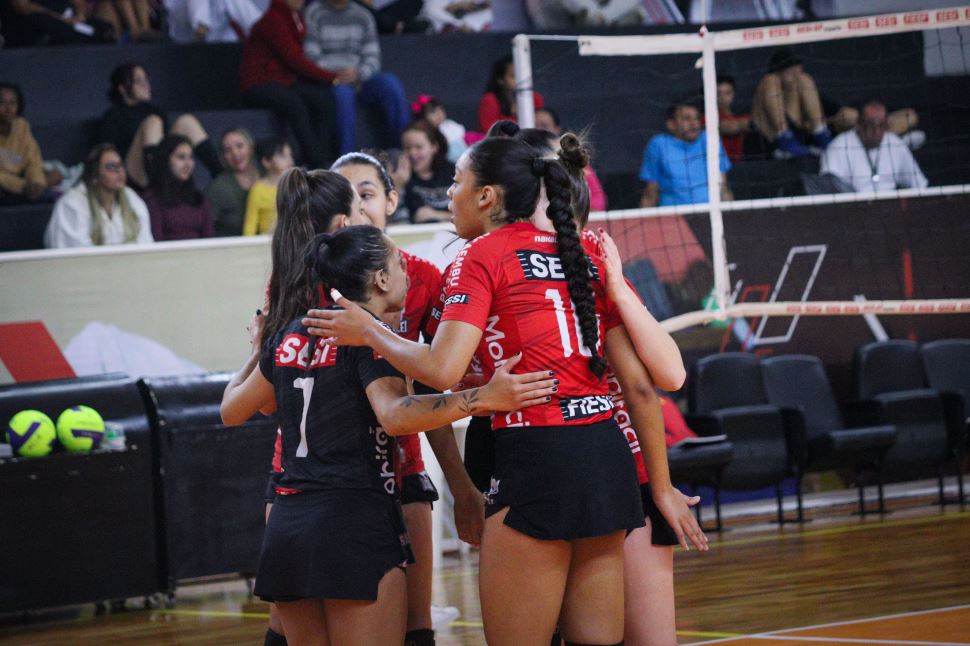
(114,436)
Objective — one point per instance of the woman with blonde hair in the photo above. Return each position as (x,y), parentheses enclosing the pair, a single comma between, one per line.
(100,209)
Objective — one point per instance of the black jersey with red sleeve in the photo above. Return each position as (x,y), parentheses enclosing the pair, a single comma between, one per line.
(331,438)
(510,284)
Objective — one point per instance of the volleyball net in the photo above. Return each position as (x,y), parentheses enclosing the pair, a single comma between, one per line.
(792,245)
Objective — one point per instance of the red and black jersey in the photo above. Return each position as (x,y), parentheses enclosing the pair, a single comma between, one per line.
(424,281)
(510,284)
(331,438)
(623,420)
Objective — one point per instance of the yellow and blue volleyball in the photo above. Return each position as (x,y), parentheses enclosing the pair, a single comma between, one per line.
(31,434)
(80,428)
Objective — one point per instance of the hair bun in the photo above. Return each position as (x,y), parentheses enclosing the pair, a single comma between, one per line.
(317,250)
(503,128)
(573,152)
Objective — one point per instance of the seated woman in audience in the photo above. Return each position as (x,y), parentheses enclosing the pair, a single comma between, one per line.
(22,177)
(426,193)
(228,192)
(101,209)
(134,123)
(498,102)
(275,74)
(275,158)
(178,209)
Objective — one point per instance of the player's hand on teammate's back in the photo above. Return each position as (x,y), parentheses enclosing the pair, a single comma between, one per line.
(675,507)
(340,327)
(510,392)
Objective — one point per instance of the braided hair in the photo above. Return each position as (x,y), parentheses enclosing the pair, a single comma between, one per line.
(518,170)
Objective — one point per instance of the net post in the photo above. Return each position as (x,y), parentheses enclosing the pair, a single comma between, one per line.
(718,252)
(522,64)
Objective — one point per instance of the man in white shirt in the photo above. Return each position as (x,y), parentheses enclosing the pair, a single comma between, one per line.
(871,159)
(212,21)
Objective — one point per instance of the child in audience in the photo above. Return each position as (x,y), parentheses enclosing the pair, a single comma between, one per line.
(431,173)
(177,207)
(430,109)
(275,158)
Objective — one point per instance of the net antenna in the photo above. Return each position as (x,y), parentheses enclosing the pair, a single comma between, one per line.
(706,43)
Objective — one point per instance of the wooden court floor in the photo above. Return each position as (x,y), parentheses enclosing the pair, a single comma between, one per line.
(901,579)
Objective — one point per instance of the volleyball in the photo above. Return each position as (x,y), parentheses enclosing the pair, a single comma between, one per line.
(80,428)
(31,434)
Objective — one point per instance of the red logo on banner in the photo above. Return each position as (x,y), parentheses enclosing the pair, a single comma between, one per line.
(808,28)
(914,18)
(861,23)
(966,13)
(947,16)
(886,21)
(778,32)
(755,34)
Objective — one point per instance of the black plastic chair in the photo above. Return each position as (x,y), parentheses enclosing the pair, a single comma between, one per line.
(891,389)
(726,395)
(698,465)
(817,433)
(947,366)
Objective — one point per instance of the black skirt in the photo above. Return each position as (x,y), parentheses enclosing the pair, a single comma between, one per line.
(661,533)
(333,544)
(418,487)
(565,482)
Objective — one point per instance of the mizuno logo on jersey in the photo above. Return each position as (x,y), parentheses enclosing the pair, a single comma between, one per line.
(580,407)
(537,265)
(456,299)
(294,349)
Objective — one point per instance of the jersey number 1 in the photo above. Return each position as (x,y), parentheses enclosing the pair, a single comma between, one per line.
(306,385)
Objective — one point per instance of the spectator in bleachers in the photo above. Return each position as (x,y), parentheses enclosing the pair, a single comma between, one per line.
(134,124)
(426,193)
(498,102)
(131,16)
(675,164)
(397,16)
(458,15)
(342,37)
(787,109)
(101,209)
(431,110)
(570,14)
(732,127)
(177,208)
(870,158)
(275,158)
(212,21)
(548,119)
(22,177)
(28,23)
(275,74)
(228,192)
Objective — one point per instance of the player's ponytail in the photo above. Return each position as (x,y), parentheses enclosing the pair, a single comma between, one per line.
(306,204)
(574,155)
(347,259)
(575,263)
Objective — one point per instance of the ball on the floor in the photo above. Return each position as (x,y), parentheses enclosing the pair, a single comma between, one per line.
(31,434)
(80,428)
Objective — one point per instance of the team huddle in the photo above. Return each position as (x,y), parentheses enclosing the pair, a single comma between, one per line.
(535,334)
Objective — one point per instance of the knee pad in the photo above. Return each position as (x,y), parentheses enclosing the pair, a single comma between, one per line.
(420,637)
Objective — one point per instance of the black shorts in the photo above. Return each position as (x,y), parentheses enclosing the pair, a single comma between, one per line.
(661,533)
(480,452)
(333,544)
(565,482)
(418,487)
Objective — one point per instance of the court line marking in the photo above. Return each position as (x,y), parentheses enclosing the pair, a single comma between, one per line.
(851,640)
(777,634)
(216,613)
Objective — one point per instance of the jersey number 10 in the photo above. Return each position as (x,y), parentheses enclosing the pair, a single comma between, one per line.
(562,320)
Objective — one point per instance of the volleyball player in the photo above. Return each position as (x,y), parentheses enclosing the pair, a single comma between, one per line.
(564,489)
(331,552)
(379,200)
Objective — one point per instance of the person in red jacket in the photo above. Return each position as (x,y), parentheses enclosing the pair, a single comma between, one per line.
(275,74)
(498,102)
